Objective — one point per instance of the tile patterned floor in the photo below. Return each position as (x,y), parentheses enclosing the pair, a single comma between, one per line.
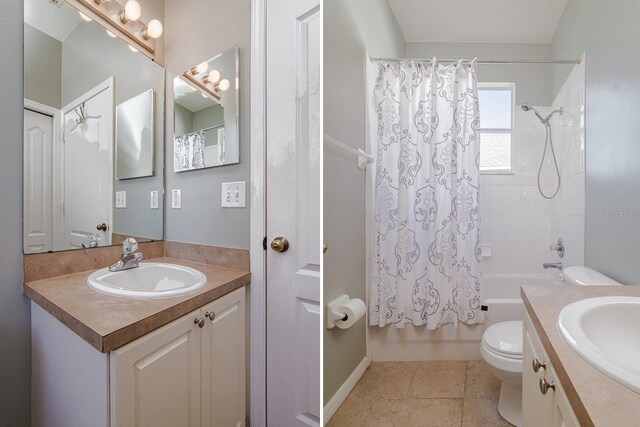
(438,394)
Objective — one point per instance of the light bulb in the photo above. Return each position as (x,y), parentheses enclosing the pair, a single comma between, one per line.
(110,34)
(200,68)
(223,85)
(153,30)
(203,95)
(132,49)
(131,12)
(213,77)
(85,17)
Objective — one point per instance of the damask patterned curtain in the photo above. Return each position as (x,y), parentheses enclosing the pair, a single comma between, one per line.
(189,150)
(425,127)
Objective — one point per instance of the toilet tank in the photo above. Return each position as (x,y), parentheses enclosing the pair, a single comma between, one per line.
(585,276)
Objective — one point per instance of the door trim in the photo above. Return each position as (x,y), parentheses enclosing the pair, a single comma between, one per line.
(257,290)
(56,167)
(109,86)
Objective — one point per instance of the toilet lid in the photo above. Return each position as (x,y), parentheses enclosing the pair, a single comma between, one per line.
(504,337)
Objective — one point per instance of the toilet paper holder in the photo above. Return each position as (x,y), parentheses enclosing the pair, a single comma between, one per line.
(344,312)
(333,314)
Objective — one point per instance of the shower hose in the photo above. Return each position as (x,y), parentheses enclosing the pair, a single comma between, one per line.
(548,142)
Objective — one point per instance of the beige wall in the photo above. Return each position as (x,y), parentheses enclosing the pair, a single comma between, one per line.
(194,33)
(374,26)
(42,67)
(352,28)
(15,350)
(344,192)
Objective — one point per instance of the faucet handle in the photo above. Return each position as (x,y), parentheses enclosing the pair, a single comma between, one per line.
(129,245)
(558,247)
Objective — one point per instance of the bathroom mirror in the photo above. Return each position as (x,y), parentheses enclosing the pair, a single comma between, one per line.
(205,103)
(93,134)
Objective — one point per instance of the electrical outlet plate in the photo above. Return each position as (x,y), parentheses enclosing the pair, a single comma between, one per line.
(121,199)
(233,194)
(176,199)
(153,202)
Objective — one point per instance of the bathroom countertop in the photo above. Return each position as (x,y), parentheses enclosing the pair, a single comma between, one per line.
(596,399)
(107,322)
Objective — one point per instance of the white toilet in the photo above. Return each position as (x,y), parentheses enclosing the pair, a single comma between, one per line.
(501,347)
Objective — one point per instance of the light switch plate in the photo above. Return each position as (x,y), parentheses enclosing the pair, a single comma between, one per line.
(176,199)
(153,199)
(233,194)
(121,199)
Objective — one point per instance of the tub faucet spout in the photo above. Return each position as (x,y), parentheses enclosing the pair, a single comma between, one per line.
(548,265)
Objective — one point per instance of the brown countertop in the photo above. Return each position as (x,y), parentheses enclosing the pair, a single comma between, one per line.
(596,400)
(108,322)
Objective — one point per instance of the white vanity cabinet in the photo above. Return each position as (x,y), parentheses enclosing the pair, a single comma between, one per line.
(550,409)
(188,373)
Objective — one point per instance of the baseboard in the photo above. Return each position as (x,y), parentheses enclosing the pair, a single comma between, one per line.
(332,406)
(423,351)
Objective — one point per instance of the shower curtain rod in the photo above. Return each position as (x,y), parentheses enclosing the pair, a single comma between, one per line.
(488,61)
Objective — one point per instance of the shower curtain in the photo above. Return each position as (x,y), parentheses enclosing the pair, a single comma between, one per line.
(189,150)
(424,126)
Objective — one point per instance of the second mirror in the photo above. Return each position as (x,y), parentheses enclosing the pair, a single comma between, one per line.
(206,114)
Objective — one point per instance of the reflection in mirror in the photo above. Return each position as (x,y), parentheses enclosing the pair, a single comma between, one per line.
(84,90)
(134,137)
(206,114)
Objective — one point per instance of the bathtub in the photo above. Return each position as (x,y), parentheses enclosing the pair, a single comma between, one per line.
(501,294)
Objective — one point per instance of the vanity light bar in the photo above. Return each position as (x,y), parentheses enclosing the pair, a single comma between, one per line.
(127,20)
(195,83)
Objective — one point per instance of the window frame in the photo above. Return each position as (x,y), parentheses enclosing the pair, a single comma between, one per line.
(510,86)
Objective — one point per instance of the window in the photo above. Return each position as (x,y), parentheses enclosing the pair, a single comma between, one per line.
(496,126)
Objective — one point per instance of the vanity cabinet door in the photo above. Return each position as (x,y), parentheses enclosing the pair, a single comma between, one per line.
(562,413)
(223,361)
(155,380)
(536,407)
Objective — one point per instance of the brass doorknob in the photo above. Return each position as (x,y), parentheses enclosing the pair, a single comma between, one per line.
(324,248)
(280,244)
(102,227)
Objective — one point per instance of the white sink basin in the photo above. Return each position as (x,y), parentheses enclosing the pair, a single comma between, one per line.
(149,280)
(604,332)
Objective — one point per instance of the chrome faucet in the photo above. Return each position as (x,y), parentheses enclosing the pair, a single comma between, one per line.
(129,259)
(548,265)
(92,241)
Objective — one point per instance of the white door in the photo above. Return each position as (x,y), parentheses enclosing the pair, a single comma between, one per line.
(223,361)
(293,212)
(155,380)
(38,178)
(87,166)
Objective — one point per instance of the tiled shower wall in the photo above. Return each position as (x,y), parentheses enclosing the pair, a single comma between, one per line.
(568,207)
(518,224)
(516,219)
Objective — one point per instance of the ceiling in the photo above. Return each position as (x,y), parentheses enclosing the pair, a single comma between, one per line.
(190,98)
(486,21)
(58,21)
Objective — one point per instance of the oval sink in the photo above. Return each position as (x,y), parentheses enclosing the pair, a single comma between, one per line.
(149,280)
(603,331)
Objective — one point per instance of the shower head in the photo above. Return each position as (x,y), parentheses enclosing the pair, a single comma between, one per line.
(544,120)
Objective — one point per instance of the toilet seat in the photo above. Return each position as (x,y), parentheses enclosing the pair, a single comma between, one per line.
(504,339)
